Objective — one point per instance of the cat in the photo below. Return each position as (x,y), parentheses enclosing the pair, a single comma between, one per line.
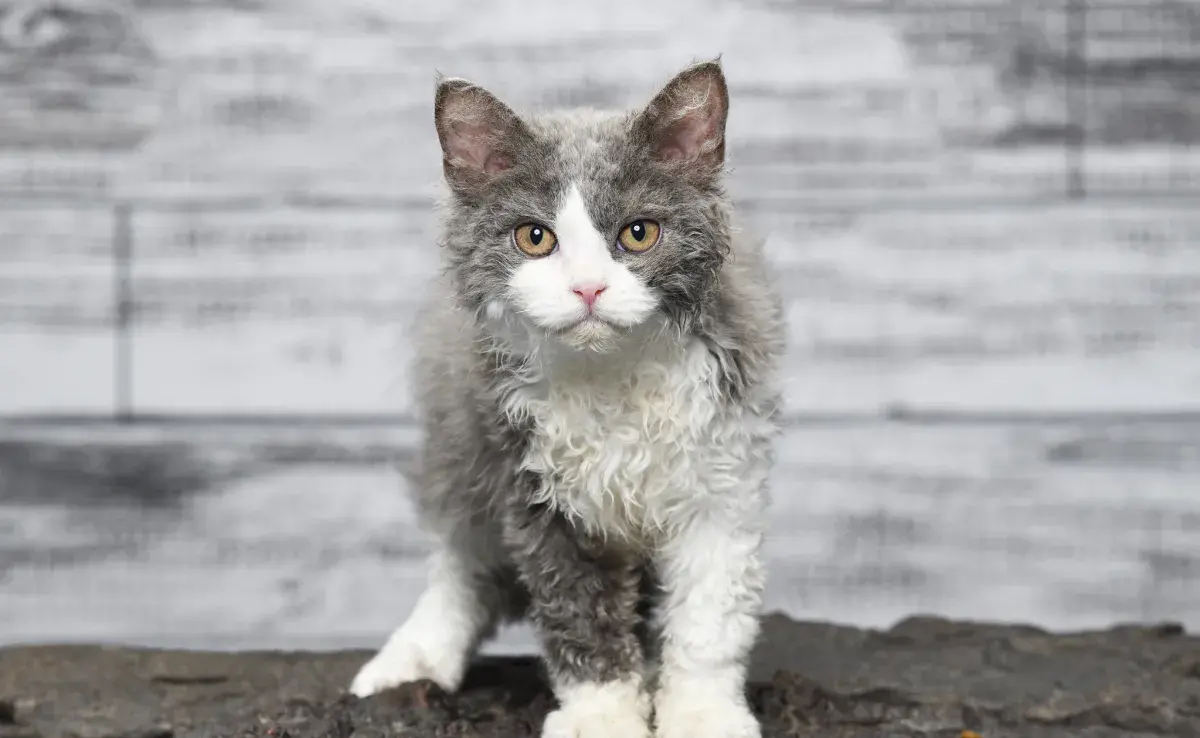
(596,377)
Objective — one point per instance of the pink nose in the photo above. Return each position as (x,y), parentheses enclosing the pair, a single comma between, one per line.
(588,293)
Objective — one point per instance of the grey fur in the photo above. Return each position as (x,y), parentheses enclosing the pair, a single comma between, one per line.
(583,593)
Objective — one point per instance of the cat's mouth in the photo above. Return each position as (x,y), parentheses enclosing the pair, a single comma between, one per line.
(592,332)
(592,322)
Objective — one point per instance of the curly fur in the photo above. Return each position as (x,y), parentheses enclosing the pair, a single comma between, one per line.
(575,461)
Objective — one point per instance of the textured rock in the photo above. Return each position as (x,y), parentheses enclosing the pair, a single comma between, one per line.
(924,677)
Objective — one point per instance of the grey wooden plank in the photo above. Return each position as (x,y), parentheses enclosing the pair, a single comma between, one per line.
(1068,525)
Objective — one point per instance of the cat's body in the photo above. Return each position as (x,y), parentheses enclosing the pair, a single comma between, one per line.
(595,374)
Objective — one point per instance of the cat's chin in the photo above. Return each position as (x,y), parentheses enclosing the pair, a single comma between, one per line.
(591,334)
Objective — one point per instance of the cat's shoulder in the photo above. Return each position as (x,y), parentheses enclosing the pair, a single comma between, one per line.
(749,300)
(443,333)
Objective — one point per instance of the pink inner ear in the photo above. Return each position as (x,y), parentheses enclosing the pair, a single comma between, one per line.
(671,152)
(496,163)
(473,145)
(691,136)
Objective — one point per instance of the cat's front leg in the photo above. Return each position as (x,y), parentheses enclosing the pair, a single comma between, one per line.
(583,605)
(466,597)
(712,578)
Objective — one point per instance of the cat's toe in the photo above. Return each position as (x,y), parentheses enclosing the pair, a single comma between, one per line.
(684,717)
(402,662)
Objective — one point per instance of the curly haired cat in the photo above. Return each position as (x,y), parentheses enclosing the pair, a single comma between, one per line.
(596,384)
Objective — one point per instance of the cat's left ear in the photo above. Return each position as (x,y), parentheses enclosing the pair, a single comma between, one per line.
(685,122)
(480,136)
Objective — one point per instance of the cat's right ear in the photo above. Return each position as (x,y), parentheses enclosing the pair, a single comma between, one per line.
(479,134)
(684,125)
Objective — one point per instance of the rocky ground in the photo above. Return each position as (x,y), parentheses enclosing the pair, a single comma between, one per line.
(923,677)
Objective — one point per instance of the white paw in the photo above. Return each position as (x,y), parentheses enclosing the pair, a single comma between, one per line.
(405,660)
(616,710)
(684,716)
(586,721)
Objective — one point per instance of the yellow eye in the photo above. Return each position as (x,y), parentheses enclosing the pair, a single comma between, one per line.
(535,240)
(638,236)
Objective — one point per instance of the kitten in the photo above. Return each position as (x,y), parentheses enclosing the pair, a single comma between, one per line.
(595,375)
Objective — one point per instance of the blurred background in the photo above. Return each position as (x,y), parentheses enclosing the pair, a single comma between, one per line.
(215,223)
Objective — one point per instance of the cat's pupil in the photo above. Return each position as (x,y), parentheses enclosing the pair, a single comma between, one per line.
(638,230)
(535,236)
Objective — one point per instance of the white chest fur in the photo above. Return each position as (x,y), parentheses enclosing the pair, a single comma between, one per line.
(634,446)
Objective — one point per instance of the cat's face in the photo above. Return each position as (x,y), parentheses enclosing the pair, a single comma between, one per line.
(585,226)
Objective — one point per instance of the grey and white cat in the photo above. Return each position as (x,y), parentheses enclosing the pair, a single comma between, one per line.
(596,379)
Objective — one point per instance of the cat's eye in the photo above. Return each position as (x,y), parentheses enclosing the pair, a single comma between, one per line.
(535,239)
(638,236)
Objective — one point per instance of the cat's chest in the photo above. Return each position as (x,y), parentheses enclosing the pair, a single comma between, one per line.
(626,453)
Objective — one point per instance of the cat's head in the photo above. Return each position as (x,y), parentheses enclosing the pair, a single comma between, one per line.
(584,226)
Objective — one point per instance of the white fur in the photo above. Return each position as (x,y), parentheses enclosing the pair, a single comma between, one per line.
(636,444)
(614,710)
(542,288)
(701,714)
(714,578)
(437,639)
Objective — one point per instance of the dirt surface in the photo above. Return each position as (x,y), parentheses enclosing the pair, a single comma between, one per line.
(924,677)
